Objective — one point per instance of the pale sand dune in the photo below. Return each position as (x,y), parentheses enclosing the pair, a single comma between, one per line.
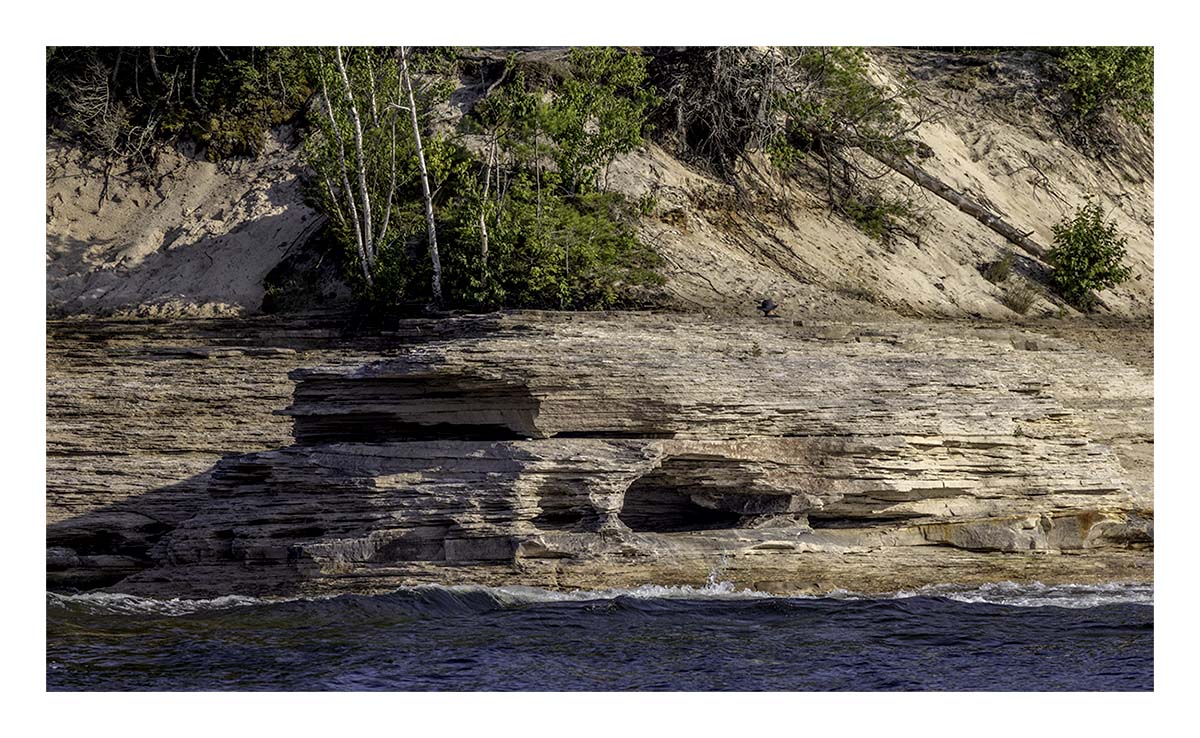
(201,244)
(205,241)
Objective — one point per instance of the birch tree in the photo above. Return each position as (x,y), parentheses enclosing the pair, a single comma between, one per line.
(431,225)
(358,149)
(370,153)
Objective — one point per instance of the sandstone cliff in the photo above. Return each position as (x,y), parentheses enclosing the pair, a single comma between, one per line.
(583,451)
(853,442)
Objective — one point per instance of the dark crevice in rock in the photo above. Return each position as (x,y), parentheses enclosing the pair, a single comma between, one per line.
(818,522)
(615,434)
(311,531)
(558,516)
(654,504)
(382,428)
(351,408)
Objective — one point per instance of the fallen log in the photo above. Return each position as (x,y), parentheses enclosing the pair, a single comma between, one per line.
(963,203)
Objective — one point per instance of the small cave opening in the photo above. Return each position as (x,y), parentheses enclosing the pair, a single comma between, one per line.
(559,512)
(658,503)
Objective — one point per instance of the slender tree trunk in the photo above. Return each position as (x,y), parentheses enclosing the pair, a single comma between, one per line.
(333,200)
(487,185)
(537,169)
(387,213)
(368,235)
(117,64)
(195,58)
(429,222)
(341,149)
(154,65)
(371,77)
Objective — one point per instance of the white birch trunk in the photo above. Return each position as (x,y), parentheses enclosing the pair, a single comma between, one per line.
(416,126)
(358,235)
(368,236)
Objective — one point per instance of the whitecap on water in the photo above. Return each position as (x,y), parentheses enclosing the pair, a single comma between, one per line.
(1012,594)
(1031,594)
(111,602)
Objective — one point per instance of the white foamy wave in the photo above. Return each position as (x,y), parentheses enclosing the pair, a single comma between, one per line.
(1033,594)
(110,602)
(710,590)
(1011,594)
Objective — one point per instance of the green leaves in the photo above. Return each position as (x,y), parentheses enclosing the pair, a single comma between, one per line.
(597,113)
(555,238)
(1086,256)
(1121,77)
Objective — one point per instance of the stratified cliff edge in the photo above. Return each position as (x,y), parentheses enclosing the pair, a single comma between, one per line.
(607,450)
(897,425)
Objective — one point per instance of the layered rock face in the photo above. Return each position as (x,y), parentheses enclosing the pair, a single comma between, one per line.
(602,451)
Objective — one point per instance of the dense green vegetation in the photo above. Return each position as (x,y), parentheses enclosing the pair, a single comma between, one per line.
(121,100)
(1086,256)
(1116,77)
(509,204)
(518,189)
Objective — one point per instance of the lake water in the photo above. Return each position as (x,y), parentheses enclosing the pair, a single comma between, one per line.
(996,637)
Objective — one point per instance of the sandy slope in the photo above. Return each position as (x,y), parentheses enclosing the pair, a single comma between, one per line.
(989,142)
(199,240)
(202,238)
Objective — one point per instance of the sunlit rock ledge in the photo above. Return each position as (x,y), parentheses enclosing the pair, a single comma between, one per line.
(581,451)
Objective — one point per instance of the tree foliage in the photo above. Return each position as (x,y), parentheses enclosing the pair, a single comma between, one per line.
(532,220)
(121,100)
(1086,256)
(362,151)
(814,110)
(521,209)
(598,112)
(1117,77)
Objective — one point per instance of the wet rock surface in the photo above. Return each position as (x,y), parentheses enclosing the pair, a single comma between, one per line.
(283,457)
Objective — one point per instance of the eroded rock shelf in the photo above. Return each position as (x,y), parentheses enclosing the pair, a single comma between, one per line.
(594,451)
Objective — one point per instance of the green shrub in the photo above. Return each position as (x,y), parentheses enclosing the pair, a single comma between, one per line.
(1086,256)
(1121,77)
(1000,270)
(875,215)
(521,213)
(1019,298)
(598,112)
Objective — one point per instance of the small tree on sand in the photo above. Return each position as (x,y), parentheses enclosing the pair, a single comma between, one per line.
(1086,256)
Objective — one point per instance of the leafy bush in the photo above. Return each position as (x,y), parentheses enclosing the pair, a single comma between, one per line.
(522,217)
(554,237)
(1121,77)
(875,215)
(1000,270)
(597,113)
(569,254)
(1086,256)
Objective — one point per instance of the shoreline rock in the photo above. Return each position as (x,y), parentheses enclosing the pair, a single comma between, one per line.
(580,451)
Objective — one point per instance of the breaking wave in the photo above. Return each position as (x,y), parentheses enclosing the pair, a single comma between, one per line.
(474,598)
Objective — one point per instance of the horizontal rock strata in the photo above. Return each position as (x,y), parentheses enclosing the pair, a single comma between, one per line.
(585,451)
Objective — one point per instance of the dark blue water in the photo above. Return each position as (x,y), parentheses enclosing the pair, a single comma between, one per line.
(1001,637)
